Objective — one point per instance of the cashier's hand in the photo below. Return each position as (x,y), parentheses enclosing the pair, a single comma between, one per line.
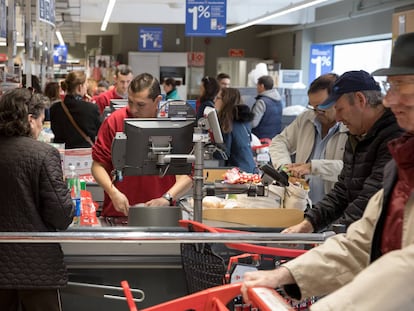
(304,227)
(265,278)
(157,202)
(299,170)
(120,202)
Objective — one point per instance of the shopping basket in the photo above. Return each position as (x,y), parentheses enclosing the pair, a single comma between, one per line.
(210,264)
(215,299)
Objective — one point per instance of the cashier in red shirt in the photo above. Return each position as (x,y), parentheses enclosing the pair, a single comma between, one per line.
(144,95)
(122,78)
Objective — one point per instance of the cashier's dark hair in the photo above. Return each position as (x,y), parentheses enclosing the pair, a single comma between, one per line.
(143,82)
(123,70)
(15,107)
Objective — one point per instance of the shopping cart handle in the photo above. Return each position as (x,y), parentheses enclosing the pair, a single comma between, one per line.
(267,299)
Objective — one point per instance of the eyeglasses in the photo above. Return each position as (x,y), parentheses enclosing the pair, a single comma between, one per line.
(310,107)
(401,87)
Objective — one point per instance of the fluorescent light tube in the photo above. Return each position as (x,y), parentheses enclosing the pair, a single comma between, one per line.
(287,10)
(60,38)
(108,13)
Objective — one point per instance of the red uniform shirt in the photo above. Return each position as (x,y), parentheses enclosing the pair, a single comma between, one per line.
(138,189)
(103,99)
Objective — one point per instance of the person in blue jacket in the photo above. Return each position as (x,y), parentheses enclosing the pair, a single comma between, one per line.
(235,118)
(267,110)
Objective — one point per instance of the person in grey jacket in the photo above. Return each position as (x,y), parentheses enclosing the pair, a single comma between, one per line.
(370,267)
(358,104)
(34,198)
(267,109)
(315,140)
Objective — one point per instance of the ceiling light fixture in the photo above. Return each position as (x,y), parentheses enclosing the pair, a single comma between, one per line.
(289,9)
(108,13)
(59,36)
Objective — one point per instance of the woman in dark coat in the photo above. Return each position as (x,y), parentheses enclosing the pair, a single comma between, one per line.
(34,198)
(85,114)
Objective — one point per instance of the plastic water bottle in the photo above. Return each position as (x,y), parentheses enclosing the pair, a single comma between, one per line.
(74,185)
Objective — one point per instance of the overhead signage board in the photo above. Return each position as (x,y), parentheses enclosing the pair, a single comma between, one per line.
(3,19)
(150,39)
(321,60)
(205,18)
(47,11)
(60,54)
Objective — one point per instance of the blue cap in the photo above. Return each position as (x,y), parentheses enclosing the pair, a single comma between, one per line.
(350,81)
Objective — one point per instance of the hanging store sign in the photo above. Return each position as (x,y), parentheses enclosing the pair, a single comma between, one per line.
(3,58)
(60,54)
(321,60)
(236,53)
(150,39)
(3,19)
(47,11)
(205,18)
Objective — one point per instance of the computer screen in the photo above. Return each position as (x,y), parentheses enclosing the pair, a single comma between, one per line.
(146,142)
(290,79)
(116,104)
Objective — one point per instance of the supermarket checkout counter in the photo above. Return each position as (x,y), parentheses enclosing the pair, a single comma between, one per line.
(99,258)
(148,257)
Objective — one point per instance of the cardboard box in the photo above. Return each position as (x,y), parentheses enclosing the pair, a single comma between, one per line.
(257,217)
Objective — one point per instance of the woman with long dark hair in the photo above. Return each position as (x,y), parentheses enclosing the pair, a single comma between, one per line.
(235,118)
(209,89)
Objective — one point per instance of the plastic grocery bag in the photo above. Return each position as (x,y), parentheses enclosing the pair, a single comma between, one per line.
(296,197)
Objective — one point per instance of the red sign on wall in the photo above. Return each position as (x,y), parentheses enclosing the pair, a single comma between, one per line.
(3,57)
(236,52)
(196,59)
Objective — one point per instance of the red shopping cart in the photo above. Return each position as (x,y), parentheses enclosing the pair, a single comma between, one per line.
(215,299)
(209,264)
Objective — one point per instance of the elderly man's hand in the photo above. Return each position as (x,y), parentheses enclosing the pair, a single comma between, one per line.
(299,169)
(266,278)
(304,227)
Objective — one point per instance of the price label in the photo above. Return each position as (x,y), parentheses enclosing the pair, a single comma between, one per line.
(320,60)
(150,39)
(205,18)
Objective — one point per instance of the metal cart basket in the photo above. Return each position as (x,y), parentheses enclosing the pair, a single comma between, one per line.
(209,264)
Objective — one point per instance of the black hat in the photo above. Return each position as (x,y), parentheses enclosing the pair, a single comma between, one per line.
(402,57)
(350,81)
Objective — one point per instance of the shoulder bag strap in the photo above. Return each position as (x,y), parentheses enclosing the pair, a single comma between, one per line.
(82,133)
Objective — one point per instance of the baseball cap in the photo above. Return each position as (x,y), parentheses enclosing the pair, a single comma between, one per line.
(402,57)
(350,81)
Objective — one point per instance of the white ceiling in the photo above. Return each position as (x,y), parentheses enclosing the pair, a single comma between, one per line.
(173,12)
(76,12)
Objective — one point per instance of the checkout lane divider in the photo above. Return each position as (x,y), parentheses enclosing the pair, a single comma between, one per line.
(162,237)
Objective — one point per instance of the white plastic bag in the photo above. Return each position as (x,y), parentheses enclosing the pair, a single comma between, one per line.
(296,197)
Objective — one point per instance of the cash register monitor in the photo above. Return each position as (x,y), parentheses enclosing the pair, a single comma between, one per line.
(149,140)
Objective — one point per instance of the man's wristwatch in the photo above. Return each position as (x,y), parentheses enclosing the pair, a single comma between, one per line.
(168,197)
